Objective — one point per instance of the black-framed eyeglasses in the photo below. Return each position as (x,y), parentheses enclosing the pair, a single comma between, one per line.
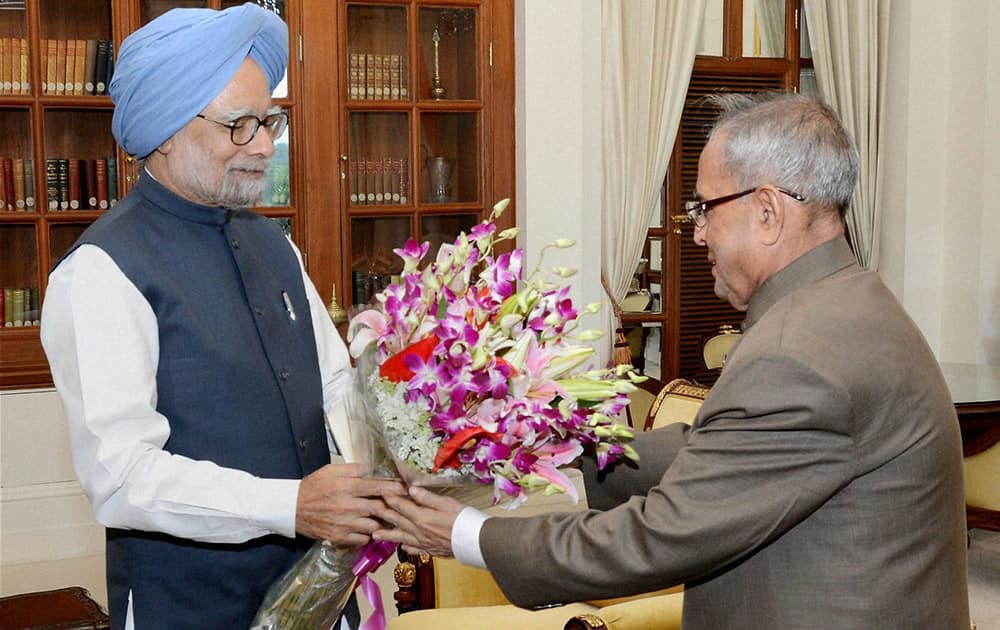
(244,129)
(696,209)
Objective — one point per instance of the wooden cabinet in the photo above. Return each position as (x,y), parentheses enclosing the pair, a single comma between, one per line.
(422,141)
(436,148)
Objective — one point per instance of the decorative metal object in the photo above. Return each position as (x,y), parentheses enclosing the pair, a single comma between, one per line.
(337,313)
(437,90)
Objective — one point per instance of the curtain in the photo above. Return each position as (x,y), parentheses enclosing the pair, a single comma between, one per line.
(647,57)
(849,43)
(771,21)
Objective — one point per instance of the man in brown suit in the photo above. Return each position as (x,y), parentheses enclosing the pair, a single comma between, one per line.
(820,485)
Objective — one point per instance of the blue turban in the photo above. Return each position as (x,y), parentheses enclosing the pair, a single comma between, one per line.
(172,68)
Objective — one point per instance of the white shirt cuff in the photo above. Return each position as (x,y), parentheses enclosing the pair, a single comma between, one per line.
(276,504)
(465,537)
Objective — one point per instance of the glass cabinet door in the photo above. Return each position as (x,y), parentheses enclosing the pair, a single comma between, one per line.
(19,275)
(15,71)
(450,161)
(76,48)
(448,54)
(378,158)
(16,163)
(377,45)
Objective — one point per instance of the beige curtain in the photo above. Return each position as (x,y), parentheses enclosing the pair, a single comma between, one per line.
(849,43)
(771,21)
(647,57)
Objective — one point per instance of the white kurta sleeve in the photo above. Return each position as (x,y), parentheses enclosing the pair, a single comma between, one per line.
(100,337)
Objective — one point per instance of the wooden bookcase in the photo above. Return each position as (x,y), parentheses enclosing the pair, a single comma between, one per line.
(410,160)
(473,126)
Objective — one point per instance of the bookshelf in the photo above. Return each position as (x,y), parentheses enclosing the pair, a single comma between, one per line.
(55,130)
(423,134)
(470,126)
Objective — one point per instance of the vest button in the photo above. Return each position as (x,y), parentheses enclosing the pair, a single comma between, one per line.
(258,310)
(303,444)
(283,374)
(236,243)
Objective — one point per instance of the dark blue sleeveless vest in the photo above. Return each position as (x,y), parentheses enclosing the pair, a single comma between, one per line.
(238,380)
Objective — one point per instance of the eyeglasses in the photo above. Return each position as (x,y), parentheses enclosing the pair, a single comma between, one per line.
(696,209)
(244,129)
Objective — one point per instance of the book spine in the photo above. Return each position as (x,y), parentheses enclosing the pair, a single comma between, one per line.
(370,76)
(85,189)
(29,317)
(3,307)
(352,180)
(18,167)
(5,66)
(352,76)
(89,66)
(109,71)
(404,181)
(52,182)
(101,67)
(8,184)
(25,73)
(62,182)
(370,181)
(92,184)
(79,66)
(404,79)
(17,307)
(74,184)
(4,193)
(379,80)
(112,181)
(29,185)
(70,70)
(8,307)
(60,67)
(394,77)
(52,49)
(102,183)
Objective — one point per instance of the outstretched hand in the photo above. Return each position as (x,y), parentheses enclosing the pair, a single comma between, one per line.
(422,522)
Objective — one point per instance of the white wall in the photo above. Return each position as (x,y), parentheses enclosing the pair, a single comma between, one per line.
(559,162)
(48,537)
(939,251)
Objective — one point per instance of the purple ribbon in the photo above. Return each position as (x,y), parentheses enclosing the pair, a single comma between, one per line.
(372,556)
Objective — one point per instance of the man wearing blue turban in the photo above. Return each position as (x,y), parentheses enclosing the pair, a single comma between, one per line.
(194,358)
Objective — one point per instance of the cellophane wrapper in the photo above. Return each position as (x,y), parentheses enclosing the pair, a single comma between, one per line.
(312,594)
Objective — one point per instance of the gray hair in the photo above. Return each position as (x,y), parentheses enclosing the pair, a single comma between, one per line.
(789,140)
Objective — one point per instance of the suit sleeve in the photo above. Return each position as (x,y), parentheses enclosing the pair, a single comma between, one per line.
(771,444)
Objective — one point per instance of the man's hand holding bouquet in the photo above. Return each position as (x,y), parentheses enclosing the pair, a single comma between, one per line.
(463,375)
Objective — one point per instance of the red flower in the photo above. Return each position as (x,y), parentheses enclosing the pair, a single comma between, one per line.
(394,368)
(447,455)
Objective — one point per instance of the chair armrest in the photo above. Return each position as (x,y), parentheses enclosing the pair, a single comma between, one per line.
(661,612)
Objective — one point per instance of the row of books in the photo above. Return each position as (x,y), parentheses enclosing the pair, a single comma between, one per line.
(17,185)
(74,184)
(20,306)
(377,76)
(15,78)
(378,181)
(77,67)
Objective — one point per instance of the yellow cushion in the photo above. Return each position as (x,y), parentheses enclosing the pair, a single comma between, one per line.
(662,612)
(457,585)
(676,409)
(982,471)
(508,616)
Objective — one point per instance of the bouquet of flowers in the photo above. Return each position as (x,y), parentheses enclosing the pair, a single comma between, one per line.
(462,375)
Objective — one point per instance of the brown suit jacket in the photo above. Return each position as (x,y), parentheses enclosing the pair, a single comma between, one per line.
(820,485)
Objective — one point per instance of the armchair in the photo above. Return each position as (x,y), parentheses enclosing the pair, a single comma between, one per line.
(440,594)
(982,469)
